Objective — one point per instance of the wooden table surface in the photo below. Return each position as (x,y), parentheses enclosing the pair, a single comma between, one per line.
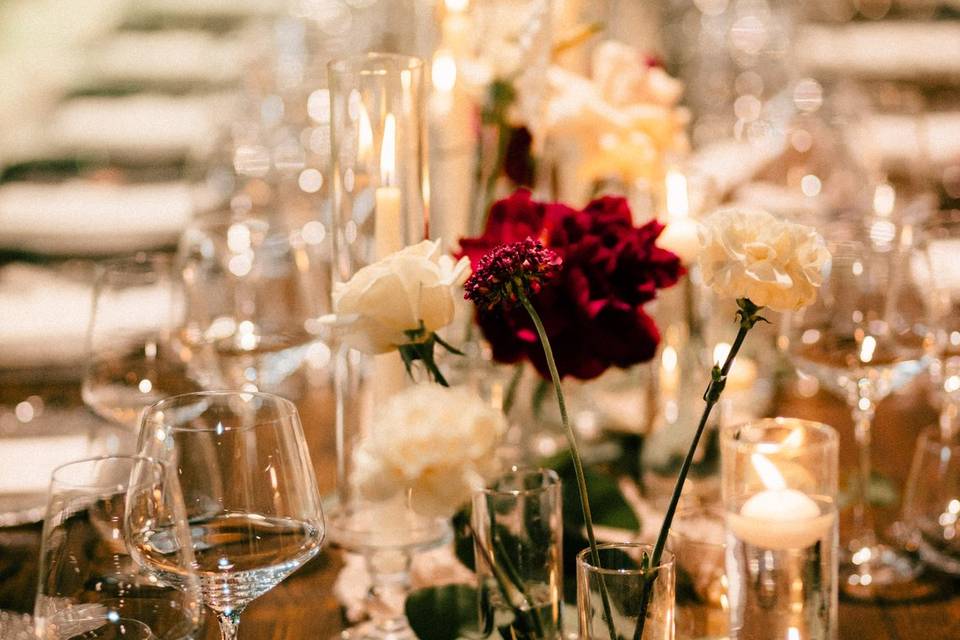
(303,606)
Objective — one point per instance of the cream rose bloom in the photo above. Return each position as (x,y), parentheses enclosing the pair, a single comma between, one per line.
(436,442)
(374,309)
(748,253)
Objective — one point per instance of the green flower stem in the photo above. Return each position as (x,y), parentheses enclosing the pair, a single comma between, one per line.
(748,318)
(574,452)
(504,581)
(511,394)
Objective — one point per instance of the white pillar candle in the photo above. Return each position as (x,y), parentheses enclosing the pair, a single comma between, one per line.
(680,236)
(388,231)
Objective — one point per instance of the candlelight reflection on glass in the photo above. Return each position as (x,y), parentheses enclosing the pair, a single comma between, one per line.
(779,482)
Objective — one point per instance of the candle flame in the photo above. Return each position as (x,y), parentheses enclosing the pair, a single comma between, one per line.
(720,353)
(794,439)
(678,204)
(867,348)
(444,71)
(388,152)
(770,476)
(793,633)
(364,136)
(884,199)
(456,6)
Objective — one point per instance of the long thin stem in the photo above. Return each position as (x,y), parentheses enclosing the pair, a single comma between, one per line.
(574,452)
(864,534)
(711,397)
(229,623)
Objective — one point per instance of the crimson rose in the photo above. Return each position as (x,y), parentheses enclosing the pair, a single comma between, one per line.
(593,307)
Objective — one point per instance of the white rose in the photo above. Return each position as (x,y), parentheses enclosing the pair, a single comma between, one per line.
(436,442)
(382,301)
(748,253)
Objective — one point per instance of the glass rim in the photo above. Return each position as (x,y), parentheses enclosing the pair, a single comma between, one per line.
(668,558)
(549,477)
(127,457)
(826,436)
(363,63)
(286,407)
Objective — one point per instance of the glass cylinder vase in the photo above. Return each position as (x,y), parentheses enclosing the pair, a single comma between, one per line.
(779,485)
(376,116)
(621,581)
(518,546)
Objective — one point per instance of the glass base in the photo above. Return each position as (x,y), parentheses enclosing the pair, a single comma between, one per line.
(371,630)
(878,571)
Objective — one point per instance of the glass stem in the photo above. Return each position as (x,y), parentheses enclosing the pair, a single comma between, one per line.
(389,584)
(864,534)
(229,623)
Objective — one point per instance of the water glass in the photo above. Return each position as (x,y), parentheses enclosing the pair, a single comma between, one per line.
(932,501)
(249,302)
(623,580)
(131,362)
(698,543)
(779,484)
(240,465)
(518,545)
(89,585)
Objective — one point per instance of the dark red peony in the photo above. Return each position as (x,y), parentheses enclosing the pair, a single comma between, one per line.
(593,307)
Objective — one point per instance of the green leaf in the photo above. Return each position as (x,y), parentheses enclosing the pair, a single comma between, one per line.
(443,613)
(609,507)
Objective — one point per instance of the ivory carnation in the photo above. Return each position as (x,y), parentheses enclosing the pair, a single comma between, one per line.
(436,442)
(382,302)
(749,253)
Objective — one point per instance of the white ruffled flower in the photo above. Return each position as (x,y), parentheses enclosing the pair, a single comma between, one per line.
(375,309)
(749,253)
(436,442)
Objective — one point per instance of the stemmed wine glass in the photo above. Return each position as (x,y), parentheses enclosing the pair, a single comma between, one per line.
(252,510)
(867,335)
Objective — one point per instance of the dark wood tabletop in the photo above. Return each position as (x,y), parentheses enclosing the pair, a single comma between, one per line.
(303,605)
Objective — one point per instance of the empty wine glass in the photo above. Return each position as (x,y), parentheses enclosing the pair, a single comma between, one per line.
(866,336)
(250,304)
(249,492)
(130,361)
(89,586)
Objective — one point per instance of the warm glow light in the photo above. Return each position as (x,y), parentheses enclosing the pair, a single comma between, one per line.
(720,352)
(678,205)
(444,71)
(884,198)
(867,348)
(456,6)
(770,476)
(794,439)
(364,136)
(388,152)
(793,633)
(669,358)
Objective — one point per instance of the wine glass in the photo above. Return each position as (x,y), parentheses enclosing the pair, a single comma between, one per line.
(866,336)
(89,586)
(130,360)
(248,490)
(250,304)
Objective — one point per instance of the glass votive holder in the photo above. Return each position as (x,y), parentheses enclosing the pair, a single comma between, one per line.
(518,548)
(697,540)
(620,580)
(932,502)
(779,487)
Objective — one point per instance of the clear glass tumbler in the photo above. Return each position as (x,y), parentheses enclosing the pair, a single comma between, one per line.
(698,542)
(518,546)
(621,576)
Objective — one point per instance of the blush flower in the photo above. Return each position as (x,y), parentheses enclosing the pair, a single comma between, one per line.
(593,308)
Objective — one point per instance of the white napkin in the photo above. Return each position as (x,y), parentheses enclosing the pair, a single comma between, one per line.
(81,217)
(168,56)
(45,316)
(891,49)
(143,126)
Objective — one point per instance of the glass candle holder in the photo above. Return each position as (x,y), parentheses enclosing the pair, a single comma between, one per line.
(620,575)
(779,486)
(518,545)
(698,542)
(379,183)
